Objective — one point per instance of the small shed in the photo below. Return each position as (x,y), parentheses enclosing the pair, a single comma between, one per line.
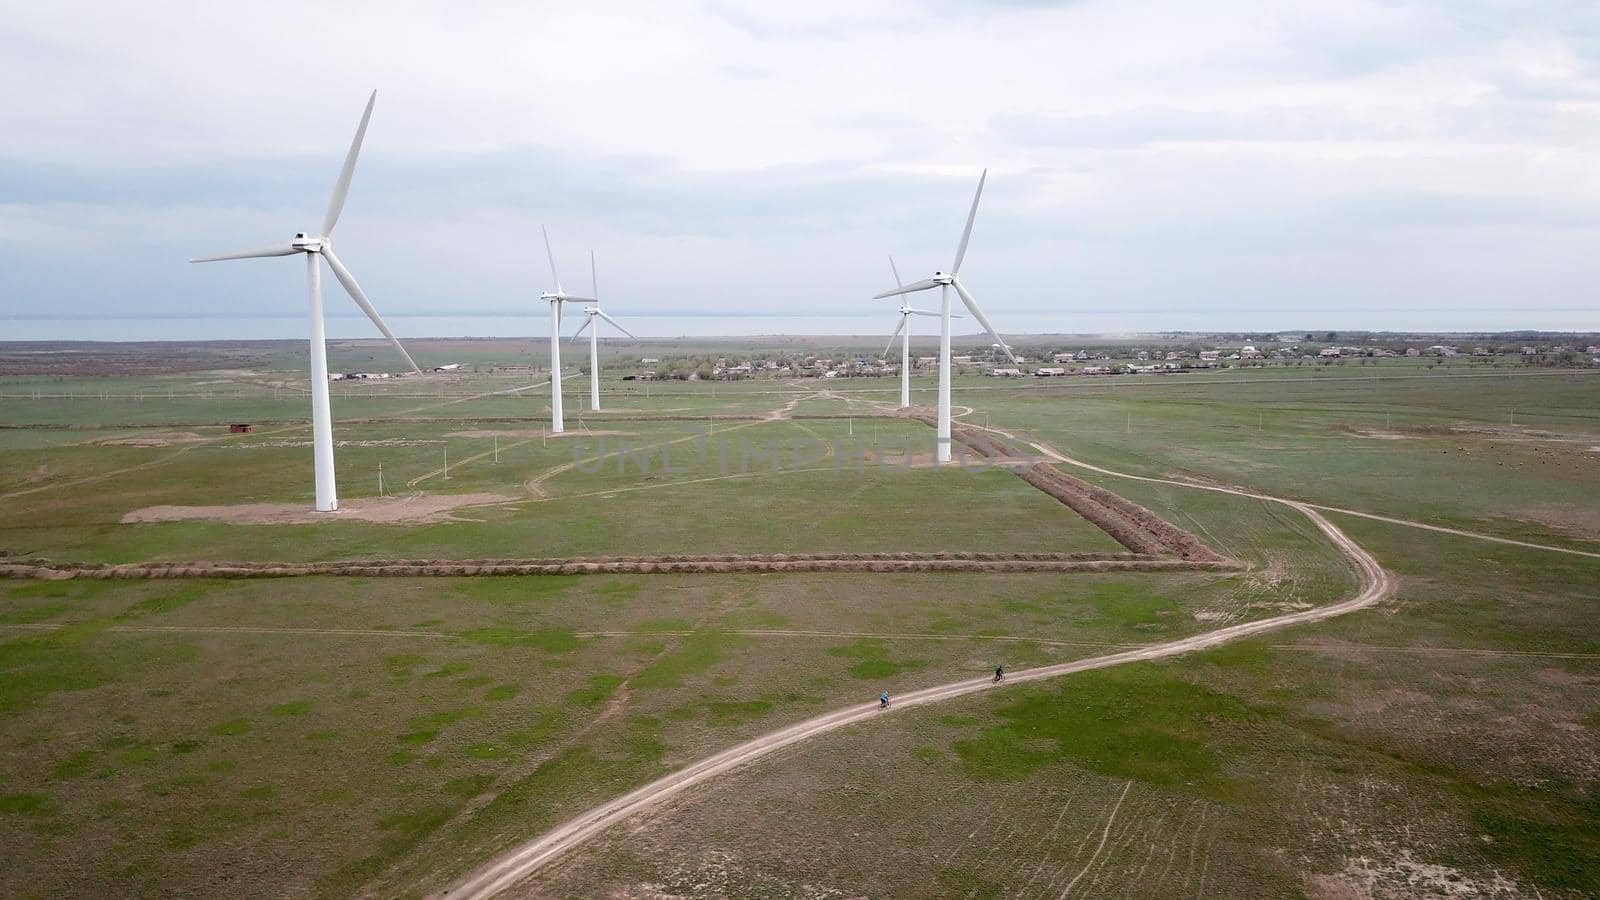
(241,428)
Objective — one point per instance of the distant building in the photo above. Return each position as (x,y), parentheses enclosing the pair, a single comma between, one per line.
(448,367)
(1006,373)
(1048,372)
(241,428)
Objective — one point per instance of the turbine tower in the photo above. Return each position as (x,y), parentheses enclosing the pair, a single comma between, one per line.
(903,331)
(556,298)
(944,282)
(314,246)
(594,336)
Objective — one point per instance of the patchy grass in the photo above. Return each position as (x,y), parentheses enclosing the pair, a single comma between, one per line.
(873,660)
(1128,722)
(695,654)
(600,688)
(28,805)
(553,640)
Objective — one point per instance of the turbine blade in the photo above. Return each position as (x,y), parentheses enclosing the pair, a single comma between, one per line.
(548,252)
(897,329)
(257,253)
(912,288)
(594,276)
(614,324)
(587,321)
(966,234)
(895,269)
(923,312)
(972,307)
(342,186)
(360,297)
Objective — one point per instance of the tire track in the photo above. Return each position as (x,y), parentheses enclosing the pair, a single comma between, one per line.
(1105,833)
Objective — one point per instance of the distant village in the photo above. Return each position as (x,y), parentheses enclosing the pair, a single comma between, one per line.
(1037,361)
(1109,360)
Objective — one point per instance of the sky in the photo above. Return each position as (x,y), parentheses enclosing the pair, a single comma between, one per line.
(1152,165)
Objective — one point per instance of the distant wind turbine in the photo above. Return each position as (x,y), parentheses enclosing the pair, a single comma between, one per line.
(594,336)
(903,331)
(556,298)
(314,246)
(944,283)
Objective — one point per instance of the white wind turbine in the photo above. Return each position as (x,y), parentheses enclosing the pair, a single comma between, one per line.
(314,246)
(594,312)
(556,298)
(944,282)
(903,331)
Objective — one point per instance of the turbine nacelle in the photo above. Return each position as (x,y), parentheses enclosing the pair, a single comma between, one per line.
(310,243)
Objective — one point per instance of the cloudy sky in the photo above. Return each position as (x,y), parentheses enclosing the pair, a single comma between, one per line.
(1152,165)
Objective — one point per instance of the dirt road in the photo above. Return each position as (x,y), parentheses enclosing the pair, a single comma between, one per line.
(511,868)
(1057,456)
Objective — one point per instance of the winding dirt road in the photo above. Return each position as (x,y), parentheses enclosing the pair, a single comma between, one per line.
(523,861)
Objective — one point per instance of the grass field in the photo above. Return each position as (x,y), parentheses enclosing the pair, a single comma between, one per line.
(337,736)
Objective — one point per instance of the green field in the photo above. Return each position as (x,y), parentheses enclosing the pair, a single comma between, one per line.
(383,736)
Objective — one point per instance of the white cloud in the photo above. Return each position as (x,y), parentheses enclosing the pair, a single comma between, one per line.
(1278,162)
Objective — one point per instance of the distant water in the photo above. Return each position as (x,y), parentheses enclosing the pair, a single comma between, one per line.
(209,328)
(289,327)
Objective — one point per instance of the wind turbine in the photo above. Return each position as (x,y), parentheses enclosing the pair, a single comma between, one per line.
(903,331)
(594,336)
(556,298)
(944,282)
(314,246)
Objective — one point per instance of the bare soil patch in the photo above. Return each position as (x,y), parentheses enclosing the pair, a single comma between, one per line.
(917,460)
(1394,872)
(164,439)
(384,510)
(532,433)
(1582,521)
